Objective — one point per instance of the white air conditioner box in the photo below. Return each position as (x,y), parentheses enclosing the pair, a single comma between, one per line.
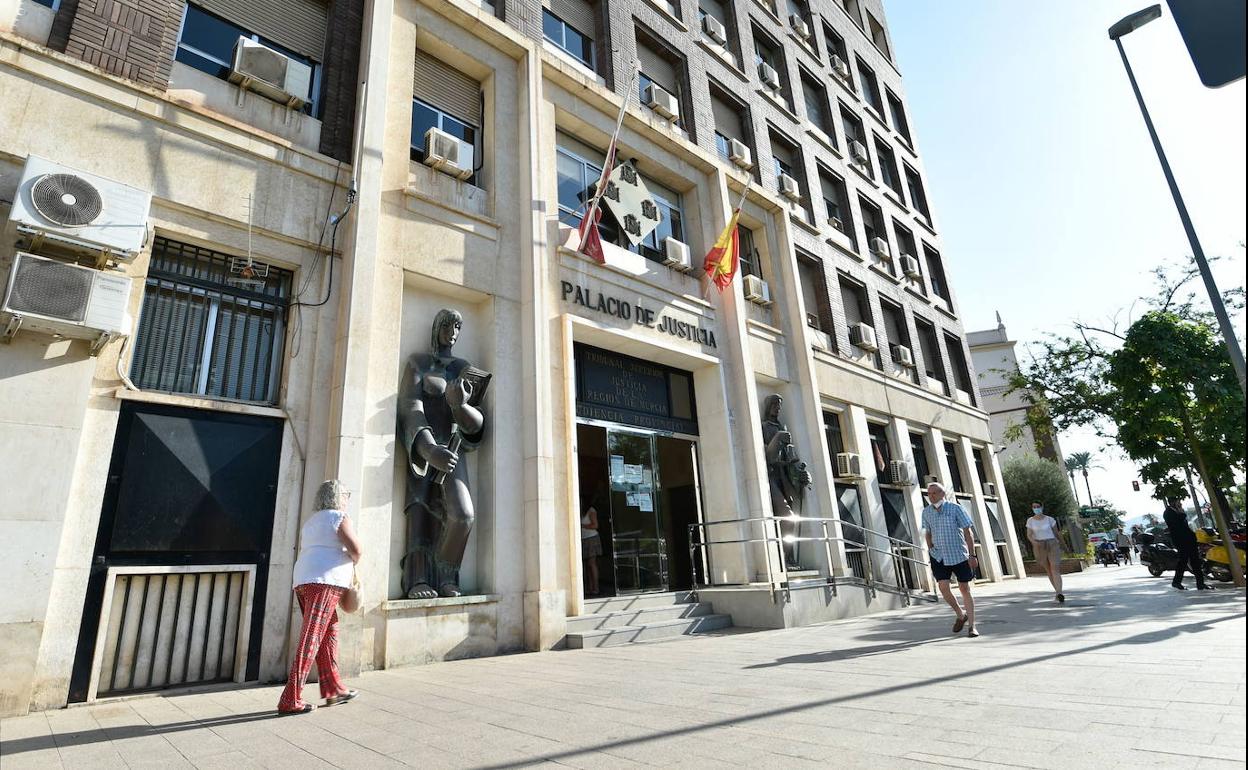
(840,67)
(789,188)
(848,465)
(858,152)
(879,247)
(715,29)
(799,25)
(81,212)
(662,102)
(990,489)
(55,297)
(273,75)
(910,266)
(769,76)
(739,153)
(930,479)
(863,336)
(676,254)
(756,289)
(897,473)
(448,154)
(902,356)
(837,224)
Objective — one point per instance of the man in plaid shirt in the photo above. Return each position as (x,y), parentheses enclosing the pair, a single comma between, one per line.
(951,550)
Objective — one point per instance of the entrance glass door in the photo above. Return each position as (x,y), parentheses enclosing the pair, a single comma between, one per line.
(637,531)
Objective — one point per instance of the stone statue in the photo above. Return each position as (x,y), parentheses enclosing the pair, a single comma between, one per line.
(786,475)
(439,420)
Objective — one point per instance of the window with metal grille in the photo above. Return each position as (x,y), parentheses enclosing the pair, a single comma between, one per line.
(207,328)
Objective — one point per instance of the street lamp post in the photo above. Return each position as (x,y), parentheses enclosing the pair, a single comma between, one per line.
(1125,26)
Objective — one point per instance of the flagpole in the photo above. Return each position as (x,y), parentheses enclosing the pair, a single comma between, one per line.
(615,135)
(706,289)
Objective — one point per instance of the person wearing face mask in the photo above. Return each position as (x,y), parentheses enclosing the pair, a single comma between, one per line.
(1042,532)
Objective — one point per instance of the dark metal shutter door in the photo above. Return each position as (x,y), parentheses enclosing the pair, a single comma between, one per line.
(727,119)
(657,68)
(446,88)
(295,24)
(577,13)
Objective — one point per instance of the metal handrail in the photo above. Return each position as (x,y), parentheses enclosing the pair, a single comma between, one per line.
(698,530)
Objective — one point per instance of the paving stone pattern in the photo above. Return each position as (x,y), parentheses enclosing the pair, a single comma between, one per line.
(1127,674)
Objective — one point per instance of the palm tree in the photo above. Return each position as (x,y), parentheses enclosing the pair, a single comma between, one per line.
(1081,461)
(1070,471)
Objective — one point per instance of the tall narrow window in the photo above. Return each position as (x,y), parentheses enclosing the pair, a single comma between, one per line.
(751,258)
(445,99)
(870,87)
(856,141)
(571,30)
(936,274)
(816,100)
(888,165)
(918,198)
(852,10)
(878,36)
(857,308)
(203,332)
(663,69)
(897,113)
(839,55)
(922,469)
(881,450)
(731,121)
(898,335)
(905,241)
(770,53)
(815,297)
(929,351)
(836,439)
(836,205)
(787,157)
(961,371)
(877,236)
(955,467)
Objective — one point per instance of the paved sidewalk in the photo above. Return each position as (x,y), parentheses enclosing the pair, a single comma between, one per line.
(1128,673)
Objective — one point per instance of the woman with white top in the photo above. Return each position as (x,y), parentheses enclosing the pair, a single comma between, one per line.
(1042,532)
(328,553)
(591,549)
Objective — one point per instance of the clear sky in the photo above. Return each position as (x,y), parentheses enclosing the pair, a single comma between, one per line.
(1043,181)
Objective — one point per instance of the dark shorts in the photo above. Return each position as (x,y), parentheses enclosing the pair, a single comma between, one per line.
(963,570)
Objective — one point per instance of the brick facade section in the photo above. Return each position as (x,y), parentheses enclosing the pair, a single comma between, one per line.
(340,81)
(133,39)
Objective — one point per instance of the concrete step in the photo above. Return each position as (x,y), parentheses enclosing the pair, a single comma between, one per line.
(638,617)
(636,602)
(666,629)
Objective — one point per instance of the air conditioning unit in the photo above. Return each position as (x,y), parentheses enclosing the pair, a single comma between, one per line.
(756,290)
(448,154)
(80,212)
(55,297)
(739,153)
(769,76)
(812,320)
(848,465)
(858,152)
(931,479)
(863,336)
(902,356)
(897,472)
(675,254)
(837,224)
(799,25)
(910,266)
(789,188)
(662,102)
(273,75)
(840,67)
(879,247)
(714,29)
(990,489)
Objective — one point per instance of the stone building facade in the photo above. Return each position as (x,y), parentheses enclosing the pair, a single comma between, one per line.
(994,358)
(155,484)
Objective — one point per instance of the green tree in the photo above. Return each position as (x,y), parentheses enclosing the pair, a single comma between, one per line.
(1103,517)
(1031,479)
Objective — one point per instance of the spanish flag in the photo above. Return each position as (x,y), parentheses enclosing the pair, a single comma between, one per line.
(722,261)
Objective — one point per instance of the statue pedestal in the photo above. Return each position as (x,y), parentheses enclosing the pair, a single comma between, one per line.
(419,631)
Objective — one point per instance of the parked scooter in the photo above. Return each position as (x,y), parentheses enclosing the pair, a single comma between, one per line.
(1217,559)
(1157,552)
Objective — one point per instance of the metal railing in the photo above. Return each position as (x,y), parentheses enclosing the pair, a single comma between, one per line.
(897,554)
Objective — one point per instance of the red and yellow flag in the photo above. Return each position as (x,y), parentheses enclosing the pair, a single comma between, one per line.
(724,258)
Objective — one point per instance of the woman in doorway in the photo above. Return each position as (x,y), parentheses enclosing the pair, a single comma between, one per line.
(591,549)
(328,553)
(1042,532)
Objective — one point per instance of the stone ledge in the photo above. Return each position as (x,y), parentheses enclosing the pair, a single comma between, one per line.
(402,605)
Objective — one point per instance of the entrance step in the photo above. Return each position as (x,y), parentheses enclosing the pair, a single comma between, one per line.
(664,629)
(636,602)
(642,616)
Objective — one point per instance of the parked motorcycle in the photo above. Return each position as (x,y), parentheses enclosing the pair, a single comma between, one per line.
(1157,552)
(1217,559)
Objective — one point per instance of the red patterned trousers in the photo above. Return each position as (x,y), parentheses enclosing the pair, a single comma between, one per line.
(318,641)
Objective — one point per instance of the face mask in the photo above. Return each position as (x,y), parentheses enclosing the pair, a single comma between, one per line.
(1037,511)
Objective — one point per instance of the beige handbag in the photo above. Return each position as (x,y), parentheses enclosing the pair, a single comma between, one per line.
(350,601)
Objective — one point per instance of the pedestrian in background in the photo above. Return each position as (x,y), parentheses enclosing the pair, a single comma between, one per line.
(328,553)
(951,548)
(1184,540)
(1124,544)
(1042,532)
